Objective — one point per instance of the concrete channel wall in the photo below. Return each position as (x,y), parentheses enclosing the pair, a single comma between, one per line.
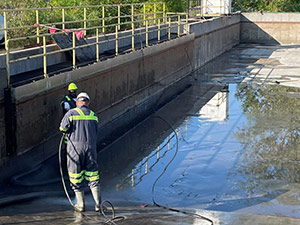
(270,28)
(124,90)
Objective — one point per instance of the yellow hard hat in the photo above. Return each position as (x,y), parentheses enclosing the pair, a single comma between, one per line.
(72,87)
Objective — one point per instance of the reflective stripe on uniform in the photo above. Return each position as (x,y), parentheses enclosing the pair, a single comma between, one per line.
(76,181)
(91,175)
(67,98)
(71,118)
(79,112)
(81,116)
(76,178)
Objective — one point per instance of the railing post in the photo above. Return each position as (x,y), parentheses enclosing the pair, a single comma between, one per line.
(132,13)
(144,14)
(164,12)
(103,19)
(154,13)
(169,29)
(45,57)
(117,42)
(119,17)
(97,45)
(147,34)
(7,63)
(74,50)
(37,27)
(158,30)
(6,49)
(178,31)
(187,23)
(132,27)
(63,18)
(84,21)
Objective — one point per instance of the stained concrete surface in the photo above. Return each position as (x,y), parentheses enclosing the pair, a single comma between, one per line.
(236,161)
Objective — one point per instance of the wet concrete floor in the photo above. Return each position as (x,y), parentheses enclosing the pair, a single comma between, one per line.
(225,148)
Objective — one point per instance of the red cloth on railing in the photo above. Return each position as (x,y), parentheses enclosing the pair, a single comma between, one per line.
(79,34)
(52,30)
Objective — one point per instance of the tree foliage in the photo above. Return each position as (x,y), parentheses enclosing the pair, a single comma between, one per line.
(172,5)
(267,5)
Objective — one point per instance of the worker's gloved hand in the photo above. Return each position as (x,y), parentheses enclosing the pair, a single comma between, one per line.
(64,130)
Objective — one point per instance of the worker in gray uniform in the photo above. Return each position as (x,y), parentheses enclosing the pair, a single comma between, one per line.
(80,125)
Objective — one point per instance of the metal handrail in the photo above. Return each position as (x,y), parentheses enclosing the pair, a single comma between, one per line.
(78,21)
(163,22)
(91,28)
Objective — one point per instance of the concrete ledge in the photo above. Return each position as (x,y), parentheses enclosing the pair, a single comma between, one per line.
(207,26)
(270,17)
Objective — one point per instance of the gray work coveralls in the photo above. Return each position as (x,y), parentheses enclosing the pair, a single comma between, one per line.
(81,125)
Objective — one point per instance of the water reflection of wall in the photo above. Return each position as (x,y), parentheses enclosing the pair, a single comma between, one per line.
(137,153)
(216,109)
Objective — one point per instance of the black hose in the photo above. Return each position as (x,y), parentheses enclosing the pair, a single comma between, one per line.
(102,207)
(61,171)
(154,184)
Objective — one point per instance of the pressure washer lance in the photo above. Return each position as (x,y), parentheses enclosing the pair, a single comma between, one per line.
(102,207)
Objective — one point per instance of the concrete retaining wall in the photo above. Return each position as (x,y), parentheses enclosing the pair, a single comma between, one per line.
(214,37)
(270,28)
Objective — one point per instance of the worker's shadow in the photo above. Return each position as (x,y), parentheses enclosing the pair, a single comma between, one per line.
(236,204)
